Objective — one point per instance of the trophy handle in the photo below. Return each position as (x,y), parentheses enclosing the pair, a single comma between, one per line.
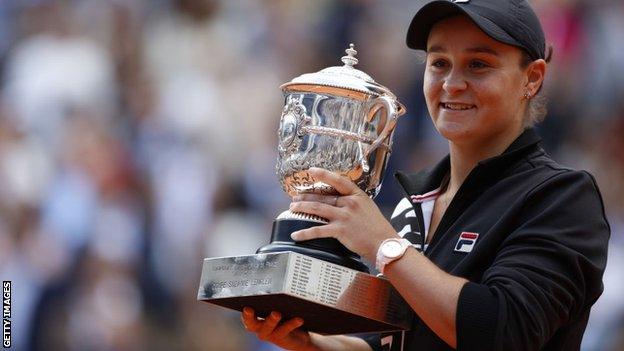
(387,123)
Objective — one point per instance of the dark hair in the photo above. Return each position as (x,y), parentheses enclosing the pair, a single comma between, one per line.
(526,58)
(536,111)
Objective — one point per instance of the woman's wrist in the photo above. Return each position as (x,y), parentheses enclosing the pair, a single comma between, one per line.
(314,343)
(318,342)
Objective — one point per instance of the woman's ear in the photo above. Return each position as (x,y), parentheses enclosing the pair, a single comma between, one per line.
(535,73)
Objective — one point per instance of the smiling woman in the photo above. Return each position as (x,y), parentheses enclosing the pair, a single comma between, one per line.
(497,247)
(475,87)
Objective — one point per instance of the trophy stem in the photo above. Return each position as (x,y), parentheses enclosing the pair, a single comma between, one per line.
(326,249)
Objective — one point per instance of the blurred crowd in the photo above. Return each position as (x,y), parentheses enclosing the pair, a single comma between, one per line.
(139,136)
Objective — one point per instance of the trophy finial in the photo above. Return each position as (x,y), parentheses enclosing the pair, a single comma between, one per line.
(350,59)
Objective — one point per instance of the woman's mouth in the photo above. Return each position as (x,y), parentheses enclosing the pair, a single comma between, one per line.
(456,106)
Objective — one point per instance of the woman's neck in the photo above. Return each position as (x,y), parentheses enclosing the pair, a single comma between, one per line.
(465,157)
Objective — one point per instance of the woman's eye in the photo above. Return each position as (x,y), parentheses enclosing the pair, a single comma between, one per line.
(438,63)
(477,64)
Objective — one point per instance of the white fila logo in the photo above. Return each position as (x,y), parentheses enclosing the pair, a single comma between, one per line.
(386,341)
(461,1)
(466,242)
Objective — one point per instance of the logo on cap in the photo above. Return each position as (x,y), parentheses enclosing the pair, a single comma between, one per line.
(460,1)
(466,242)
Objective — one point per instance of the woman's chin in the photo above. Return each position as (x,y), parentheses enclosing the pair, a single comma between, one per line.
(454,131)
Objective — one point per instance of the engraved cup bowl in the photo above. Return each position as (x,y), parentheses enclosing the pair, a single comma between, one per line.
(351,136)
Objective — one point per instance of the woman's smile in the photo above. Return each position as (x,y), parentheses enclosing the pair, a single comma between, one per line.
(456,106)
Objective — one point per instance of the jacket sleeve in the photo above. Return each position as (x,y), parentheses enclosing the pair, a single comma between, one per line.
(546,272)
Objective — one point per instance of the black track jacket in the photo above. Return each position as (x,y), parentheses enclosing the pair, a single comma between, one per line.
(535,268)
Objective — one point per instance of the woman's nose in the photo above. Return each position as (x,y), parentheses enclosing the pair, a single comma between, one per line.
(454,82)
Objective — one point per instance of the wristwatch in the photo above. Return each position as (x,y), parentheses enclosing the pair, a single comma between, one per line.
(390,250)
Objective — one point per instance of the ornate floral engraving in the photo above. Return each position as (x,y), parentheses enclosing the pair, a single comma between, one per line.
(292,122)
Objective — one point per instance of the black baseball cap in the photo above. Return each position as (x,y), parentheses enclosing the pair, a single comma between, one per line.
(512,22)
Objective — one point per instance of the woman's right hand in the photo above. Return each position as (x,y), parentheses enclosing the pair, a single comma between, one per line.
(286,335)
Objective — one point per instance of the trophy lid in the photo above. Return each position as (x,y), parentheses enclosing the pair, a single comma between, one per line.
(339,80)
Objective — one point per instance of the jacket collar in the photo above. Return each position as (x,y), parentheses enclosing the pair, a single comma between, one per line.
(430,179)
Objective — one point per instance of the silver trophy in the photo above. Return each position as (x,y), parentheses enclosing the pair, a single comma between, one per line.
(339,119)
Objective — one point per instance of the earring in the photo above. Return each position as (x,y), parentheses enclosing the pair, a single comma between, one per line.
(527,95)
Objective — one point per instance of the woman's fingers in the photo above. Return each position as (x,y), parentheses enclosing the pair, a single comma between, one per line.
(287,327)
(249,320)
(326,199)
(318,232)
(263,328)
(342,184)
(270,329)
(269,325)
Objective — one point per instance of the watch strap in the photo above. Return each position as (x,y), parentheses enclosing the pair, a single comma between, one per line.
(382,260)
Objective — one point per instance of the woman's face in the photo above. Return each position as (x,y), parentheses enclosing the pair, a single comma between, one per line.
(474,85)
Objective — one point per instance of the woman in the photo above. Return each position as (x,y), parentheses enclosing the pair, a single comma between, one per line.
(514,244)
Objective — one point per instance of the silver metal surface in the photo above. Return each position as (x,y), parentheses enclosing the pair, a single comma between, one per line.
(332,120)
(266,281)
(345,78)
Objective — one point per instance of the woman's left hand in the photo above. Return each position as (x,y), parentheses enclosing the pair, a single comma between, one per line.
(354,219)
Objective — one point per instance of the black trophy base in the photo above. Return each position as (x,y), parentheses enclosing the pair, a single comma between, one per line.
(326,249)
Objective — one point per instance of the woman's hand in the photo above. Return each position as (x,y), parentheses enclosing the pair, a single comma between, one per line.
(286,335)
(354,219)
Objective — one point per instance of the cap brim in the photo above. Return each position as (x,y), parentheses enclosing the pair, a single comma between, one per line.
(433,12)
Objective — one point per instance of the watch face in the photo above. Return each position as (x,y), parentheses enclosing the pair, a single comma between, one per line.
(392,248)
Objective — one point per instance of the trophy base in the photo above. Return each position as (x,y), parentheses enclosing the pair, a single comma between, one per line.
(326,249)
(330,298)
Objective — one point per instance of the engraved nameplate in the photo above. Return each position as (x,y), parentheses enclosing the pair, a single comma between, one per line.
(330,298)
